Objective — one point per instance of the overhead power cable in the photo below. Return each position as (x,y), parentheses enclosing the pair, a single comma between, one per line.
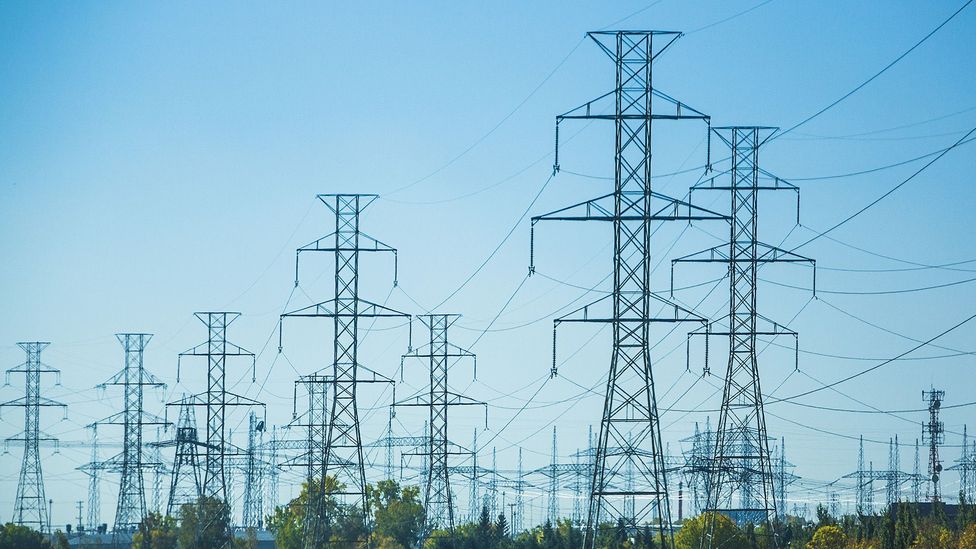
(877,74)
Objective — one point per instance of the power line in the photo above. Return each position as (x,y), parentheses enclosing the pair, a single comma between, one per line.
(877,74)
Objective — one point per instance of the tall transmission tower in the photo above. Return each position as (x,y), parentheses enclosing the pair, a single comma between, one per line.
(741,481)
(184,484)
(93,469)
(216,350)
(917,475)
(933,434)
(132,463)
(630,415)
(553,510)
(966,468)
(30,505)
(253,474)
(440,354)
(342,455)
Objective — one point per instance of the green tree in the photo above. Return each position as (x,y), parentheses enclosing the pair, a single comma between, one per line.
(397,512)
(156,532)
(967,539)
(932,535)
(724,533)
(13,536)
(905,527)
(828,537)
(59,540)
(204,524)
(287,522)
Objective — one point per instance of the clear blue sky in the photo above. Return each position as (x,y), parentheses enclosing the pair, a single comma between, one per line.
(157,160)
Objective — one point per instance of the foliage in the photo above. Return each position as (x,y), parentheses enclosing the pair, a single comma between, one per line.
(828,537)
(204,524)
(13,536)
(398,515)
(967,539)
(724,533)
(156,532)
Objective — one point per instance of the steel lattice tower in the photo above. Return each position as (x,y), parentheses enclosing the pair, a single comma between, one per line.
(440,354)
(93,470)
(630,407)
(216,350)
(30,505)
(553,508)
(741,482)
(132,462)
(184,484)
(253,474)
(342,456)
(933,433)
(316,434)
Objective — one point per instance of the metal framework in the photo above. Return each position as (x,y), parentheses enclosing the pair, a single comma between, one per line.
(30,505)
(741,482)
(630,415)
(216,350)
(893,478)
(184,486)
(132,462)
(342,454)
(440,354)
(933,434)
(253,474)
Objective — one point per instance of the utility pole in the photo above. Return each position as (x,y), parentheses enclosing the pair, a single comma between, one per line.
(131,463)
(342,455)
(933,434)
(630,407)
(438,352)
(741,481)
(30,506)
(216,350)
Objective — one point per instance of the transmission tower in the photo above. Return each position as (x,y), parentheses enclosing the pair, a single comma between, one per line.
(933,434)
(184,484)
(253,474)
(630,406)
(474,504)
(93,469)
(917,475)
(132,462)
(439,352)
(343,451)
(553,510)
(966,468)
(865,485)
(216,448)
(30,505)
(740,482)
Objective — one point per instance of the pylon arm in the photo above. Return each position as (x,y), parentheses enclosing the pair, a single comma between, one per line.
(346,308)
(586,313)
(41,401)
(119,419)
(366,243)
(765,253)
(662,208)
(148,380)
(203,349)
